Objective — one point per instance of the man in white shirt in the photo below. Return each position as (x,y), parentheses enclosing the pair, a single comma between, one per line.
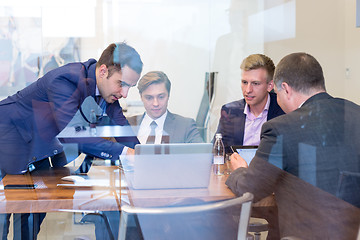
(158,125)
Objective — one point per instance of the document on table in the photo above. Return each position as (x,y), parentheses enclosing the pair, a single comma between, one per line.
(94,183)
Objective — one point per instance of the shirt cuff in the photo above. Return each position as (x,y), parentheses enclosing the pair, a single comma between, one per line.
(122,156)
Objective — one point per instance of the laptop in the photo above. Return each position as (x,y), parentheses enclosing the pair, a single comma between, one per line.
(246,152)
(175,165)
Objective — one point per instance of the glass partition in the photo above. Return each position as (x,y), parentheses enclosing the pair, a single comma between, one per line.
(199,45)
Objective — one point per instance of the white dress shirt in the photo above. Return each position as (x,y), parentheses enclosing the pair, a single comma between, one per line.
(145,129)
(123,153)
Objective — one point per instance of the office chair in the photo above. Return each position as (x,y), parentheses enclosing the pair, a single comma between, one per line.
(348,187)
(226,219)
(257,228)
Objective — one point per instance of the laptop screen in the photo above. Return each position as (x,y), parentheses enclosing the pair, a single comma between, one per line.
(176,165)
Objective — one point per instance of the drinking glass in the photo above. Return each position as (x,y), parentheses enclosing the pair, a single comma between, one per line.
(227,164)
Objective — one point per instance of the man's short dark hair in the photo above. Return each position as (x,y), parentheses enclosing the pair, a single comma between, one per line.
(256,61)
(301,71)
(153,77)
(118,55)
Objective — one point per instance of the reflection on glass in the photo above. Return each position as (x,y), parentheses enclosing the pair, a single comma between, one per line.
(199,37)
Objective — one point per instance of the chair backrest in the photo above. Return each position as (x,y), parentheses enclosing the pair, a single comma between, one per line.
(226,219)
(348,187)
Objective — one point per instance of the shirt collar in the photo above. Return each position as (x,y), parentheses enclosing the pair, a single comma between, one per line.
(159,121)
(97,93)
(266,108)
(301,104)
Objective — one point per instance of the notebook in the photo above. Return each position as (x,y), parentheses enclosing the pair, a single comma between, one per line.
(176,165)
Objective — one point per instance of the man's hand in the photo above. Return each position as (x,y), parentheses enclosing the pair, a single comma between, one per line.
(237,161)
(130,156)
(130,152)
(128,160)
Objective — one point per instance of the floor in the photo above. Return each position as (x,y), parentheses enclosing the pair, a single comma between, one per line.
(66,226)
(63,226)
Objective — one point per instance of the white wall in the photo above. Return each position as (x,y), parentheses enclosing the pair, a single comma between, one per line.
(186,39)
(173,37)
(351,66)
(326,30)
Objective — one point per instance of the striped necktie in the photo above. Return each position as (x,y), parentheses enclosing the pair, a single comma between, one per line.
(102,104)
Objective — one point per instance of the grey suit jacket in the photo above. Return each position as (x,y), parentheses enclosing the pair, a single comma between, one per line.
(179,129)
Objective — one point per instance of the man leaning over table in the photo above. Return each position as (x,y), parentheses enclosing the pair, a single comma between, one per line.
(240,122)
(317,138)
(34,116)
(154,89)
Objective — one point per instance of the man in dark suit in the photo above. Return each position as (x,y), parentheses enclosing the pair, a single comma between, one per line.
(240,122)
(34,116)
(317,139)
(154,88)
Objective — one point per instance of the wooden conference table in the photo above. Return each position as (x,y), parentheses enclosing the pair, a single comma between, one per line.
(307,211)
(104,189)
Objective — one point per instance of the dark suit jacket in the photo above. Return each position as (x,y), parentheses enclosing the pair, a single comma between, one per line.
(179,129)
(314,143)
(232,120)
(33,117)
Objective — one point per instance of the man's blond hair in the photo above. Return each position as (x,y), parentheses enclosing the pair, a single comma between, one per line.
(256,61)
